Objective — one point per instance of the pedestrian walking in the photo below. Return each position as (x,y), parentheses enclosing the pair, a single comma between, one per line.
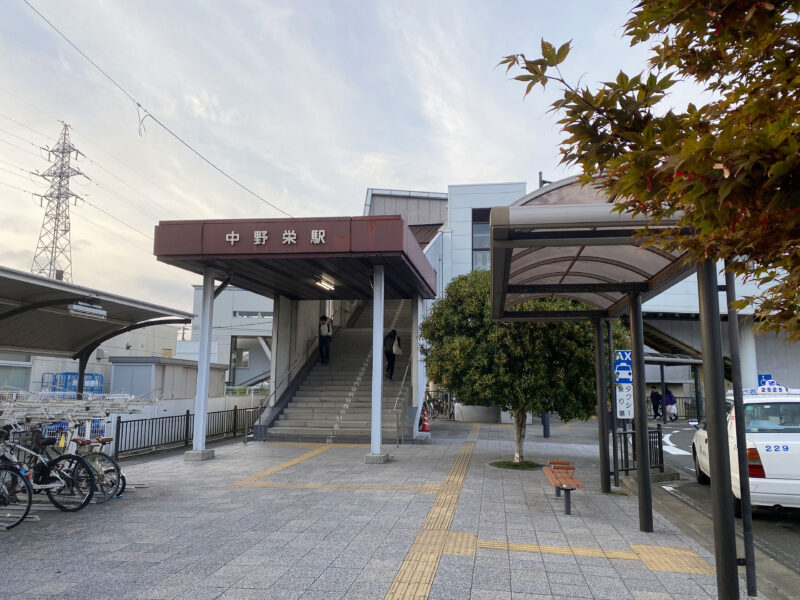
(325,333)
(391,348)
(670,405)
(655,400)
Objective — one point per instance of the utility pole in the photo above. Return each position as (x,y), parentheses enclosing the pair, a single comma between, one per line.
(53,256)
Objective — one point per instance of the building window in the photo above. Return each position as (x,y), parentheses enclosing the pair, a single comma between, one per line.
(480,239)
(15,370)
(242,359)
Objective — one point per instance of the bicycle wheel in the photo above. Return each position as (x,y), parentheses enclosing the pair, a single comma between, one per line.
(106,474)
(78,482)
(122,484)
(15,497)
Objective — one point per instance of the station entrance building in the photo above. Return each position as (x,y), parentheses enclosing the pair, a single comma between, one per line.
(356,267)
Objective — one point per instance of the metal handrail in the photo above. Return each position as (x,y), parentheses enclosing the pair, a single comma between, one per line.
(397,413)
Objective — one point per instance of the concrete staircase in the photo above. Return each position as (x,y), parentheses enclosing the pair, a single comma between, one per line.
(334,402)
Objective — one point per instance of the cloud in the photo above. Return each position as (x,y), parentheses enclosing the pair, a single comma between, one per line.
(306,104)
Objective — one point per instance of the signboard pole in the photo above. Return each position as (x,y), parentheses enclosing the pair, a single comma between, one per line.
(602,404)
(614,423)
(640,415)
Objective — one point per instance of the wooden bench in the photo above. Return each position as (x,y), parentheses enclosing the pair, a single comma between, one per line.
(561,474)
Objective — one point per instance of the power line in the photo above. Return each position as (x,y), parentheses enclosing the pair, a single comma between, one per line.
(147,114)
(18,188)
(98,183)
(7,118)
(120,221)
(117,177)
(22,139)
(105,212)
(107,230)
(22,149)
(21,175)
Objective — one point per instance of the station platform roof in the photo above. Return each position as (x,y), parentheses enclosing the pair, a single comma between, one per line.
(46,316)
(307,258)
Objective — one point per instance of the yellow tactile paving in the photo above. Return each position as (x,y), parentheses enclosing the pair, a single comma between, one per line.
(430,488)
(326,486)
(460,544)
(416,574)
(253,479)
(562,550)
(673,560)
(655,558)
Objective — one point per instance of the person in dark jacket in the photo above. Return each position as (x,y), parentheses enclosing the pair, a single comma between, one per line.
(325,333)
(655,400)
(389,351)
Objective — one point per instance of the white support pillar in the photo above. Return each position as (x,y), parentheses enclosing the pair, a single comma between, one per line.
(375,455)
(747,353)
(417,368)
(199,451)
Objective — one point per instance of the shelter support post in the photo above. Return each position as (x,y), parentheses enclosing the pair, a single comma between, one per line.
(640,415)
(663,395)
(719,462)
(375,455)
(741,442)
(612,388)
(83,361)
(199,451)
(418,377)
(602,405)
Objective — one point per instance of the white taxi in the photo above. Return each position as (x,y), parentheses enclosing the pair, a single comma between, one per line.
(772,432)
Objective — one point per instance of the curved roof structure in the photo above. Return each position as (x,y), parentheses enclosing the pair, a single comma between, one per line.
(564,241)
(51,317)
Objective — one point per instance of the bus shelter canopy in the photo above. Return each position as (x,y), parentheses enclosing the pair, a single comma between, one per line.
(51,317)
(586,252)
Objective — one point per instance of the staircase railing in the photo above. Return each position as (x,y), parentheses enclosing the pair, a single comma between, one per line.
(399,432)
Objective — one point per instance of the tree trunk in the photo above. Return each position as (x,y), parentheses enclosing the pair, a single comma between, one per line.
(520,417)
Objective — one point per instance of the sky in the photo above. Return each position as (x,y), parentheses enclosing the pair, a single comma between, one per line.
(306,103)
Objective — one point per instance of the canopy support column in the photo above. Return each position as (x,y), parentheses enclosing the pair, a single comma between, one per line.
(640,415)
(375,455)
(602,405)
(199,451)
(719,460)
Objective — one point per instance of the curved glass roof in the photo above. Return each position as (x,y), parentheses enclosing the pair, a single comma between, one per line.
(564,241)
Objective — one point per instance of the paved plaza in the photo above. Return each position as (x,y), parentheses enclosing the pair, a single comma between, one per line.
(310,521)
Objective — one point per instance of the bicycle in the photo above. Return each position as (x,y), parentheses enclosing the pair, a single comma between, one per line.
(16,496)
(110,481)
(68,480)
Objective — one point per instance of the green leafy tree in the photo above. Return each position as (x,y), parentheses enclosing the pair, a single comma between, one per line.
(521,367)
(730,166)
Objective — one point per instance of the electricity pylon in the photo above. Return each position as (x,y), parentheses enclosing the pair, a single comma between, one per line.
(53,257)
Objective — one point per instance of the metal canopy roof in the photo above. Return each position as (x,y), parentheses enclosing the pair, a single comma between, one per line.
(583,251)
(35,315)
(257,255)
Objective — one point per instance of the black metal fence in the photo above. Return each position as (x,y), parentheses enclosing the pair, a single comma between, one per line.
(687,407)
(627,449)
(148,435)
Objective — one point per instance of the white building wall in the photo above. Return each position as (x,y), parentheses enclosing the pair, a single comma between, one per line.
(227,305)
(159,340)
(461,200)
